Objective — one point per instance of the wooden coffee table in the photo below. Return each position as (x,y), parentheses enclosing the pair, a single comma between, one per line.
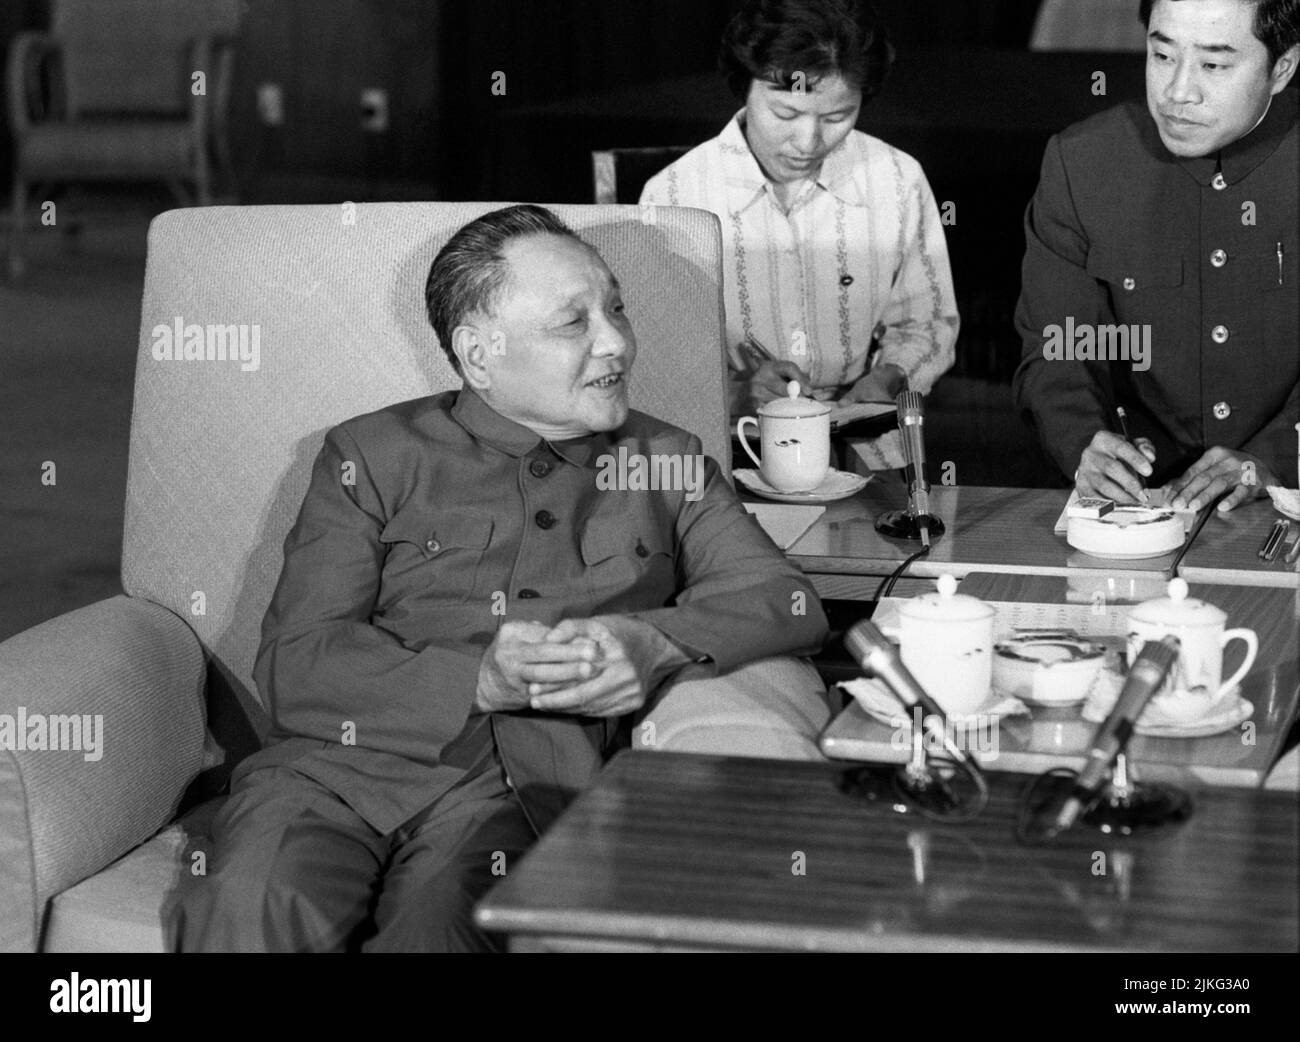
(684,852)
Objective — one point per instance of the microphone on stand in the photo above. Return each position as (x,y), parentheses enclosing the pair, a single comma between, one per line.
(917,521)
(879,658)
(1144,679)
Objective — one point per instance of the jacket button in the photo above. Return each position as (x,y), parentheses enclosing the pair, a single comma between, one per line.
(1219,334)
(433,546)
(544,519)
(1222,410)
(528,595)
(539,468)
(1218,258)
(1130,284)
(1219,182)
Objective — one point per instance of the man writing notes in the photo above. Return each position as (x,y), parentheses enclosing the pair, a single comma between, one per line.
(1162,268)
(836,268)
(481,610)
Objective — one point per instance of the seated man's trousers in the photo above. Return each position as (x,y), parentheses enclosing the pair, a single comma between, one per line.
(296,869)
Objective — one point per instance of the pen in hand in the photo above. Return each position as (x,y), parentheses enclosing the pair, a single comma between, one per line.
(1123,426)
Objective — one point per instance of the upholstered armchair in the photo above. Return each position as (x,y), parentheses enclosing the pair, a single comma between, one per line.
(120,90)
(94,846)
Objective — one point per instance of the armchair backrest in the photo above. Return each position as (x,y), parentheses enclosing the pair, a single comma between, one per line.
(221,451)
(131,56)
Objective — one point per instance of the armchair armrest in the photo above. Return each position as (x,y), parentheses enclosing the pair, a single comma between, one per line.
(23,80)
(101,731)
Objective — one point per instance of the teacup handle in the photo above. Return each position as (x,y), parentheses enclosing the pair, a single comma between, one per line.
(744,442)
(1252,649)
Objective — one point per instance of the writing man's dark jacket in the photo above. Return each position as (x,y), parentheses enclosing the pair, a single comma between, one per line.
(1122,231)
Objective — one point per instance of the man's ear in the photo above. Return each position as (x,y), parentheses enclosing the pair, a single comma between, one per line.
(1284,68)
(468,346)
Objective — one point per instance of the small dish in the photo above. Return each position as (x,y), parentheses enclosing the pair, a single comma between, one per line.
(1046,668)
(838,484)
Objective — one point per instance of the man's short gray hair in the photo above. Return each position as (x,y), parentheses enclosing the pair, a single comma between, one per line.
(470,270)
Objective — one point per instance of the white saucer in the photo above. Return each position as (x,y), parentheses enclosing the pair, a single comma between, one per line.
(1226,714)
(838,484)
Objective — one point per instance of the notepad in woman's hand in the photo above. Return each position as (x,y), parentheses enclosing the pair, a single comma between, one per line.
(882,415)
(785,523)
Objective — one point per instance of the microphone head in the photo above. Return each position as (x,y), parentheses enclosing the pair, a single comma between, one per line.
(911,407)
(862,638)
(911,423)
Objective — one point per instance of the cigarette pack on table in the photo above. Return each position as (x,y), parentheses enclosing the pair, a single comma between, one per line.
(1090,508)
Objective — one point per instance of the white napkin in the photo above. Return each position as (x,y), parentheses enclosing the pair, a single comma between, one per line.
(785,522)
(878,702)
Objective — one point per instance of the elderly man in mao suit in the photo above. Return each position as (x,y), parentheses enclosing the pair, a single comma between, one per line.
(1176,220)
(464,597)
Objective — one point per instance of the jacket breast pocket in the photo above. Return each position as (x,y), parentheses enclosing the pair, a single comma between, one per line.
(434,553)
(630,564)
(1142,284)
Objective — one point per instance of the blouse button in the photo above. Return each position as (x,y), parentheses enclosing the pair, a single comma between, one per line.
(846,280)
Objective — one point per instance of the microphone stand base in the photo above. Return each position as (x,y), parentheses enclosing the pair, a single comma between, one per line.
(1139,806)
(901,524)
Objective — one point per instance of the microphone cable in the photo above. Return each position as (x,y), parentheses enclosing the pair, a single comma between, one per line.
(886,586)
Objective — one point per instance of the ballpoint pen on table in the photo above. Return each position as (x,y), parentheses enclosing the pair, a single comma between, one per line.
(1123,426)
(1279,262)
(1276,535)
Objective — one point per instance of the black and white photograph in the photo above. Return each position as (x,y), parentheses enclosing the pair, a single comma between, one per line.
(651,476)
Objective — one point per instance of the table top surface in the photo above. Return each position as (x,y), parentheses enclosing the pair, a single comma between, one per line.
(1059,736)
(1226,549)
(681,850)
(1012,530)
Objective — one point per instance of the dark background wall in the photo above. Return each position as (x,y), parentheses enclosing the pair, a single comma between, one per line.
(436,59)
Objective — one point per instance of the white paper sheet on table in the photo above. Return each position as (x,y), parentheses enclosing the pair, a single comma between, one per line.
(785,522)
(1085,619)
(1157,497)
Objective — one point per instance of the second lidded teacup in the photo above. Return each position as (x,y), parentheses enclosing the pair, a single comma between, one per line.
(1196,683)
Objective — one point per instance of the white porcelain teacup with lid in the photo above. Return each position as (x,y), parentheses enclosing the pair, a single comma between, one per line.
(794,436)
(1196,683)
(946,640)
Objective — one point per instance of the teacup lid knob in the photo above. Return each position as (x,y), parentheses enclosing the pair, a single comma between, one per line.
(1177,590)
(792,389)
(947,586)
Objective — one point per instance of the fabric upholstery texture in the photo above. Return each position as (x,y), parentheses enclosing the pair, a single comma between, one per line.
(774,709)
(63,815)
(220,457)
